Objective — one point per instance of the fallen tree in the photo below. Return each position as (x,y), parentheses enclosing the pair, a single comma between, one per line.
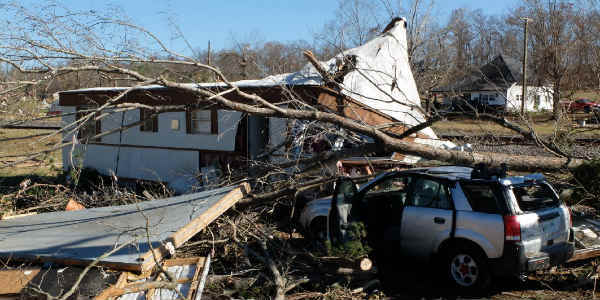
(43,59)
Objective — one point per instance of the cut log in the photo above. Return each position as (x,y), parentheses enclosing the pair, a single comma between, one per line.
(365,264)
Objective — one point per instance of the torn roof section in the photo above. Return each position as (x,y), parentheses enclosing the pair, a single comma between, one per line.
(381,79)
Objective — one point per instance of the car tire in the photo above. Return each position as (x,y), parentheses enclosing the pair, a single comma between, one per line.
(467,269)
(318,229)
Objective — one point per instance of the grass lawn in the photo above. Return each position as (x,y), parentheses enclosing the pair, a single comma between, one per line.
(543,126)
(48,165)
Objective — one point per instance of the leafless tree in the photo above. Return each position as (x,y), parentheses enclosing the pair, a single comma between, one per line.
(47,46)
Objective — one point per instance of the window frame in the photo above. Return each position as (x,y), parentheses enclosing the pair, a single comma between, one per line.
(97,125)
(496,190)
(444,184)
(213,119)
(152,121)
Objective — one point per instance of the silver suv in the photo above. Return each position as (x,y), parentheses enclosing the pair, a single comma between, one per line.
(477,222)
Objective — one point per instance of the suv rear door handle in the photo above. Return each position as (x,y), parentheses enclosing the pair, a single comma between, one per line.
(439,220)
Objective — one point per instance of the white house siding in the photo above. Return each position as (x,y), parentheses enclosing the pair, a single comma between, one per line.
(545,94)
(177,164)
(166,137)
(157,164)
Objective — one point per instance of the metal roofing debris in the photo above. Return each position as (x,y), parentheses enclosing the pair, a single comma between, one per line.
(79,237)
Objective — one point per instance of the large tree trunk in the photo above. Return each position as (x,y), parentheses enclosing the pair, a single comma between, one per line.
(556,108)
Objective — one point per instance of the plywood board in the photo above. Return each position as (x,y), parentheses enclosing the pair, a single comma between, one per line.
(79,237)
(13,281)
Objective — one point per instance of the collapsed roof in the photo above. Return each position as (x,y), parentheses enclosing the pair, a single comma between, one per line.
(378,77)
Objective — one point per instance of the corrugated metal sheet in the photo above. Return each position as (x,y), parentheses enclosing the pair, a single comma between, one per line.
(81,236)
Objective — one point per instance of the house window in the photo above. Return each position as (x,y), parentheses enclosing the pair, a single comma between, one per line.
(202,121)
(175,125)
(150,122)
(519,98)
(89,128)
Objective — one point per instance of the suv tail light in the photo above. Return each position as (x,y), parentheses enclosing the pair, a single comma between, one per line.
(512,229)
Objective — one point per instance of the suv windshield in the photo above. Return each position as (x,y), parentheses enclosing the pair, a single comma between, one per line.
(531,197)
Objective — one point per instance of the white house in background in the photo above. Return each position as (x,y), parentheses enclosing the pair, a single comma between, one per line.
(498,85)
(188,147)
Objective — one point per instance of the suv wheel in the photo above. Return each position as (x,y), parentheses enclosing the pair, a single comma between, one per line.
(318,229)
(467,269)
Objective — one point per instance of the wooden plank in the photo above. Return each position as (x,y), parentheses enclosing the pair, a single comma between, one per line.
(79,237)
(183,261)
(582,254)
(194,283)
(12,282)
(185,233)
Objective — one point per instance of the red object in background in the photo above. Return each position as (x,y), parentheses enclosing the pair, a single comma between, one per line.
(54,113)
(585,105)
(74,205)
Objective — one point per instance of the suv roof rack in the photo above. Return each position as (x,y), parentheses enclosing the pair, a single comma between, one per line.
(482,171)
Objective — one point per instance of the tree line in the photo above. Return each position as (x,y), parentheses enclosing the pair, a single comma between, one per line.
(563,46)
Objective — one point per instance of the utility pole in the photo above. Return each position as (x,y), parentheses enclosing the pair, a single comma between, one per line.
(208,55)
(524,92)
(210,74)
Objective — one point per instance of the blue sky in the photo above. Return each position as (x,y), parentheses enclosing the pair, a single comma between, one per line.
(222,21)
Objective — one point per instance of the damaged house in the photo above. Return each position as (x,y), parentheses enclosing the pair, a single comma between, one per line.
(375,86)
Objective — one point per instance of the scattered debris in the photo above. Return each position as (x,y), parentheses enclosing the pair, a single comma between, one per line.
(587,233)
(154,285)
(79,237)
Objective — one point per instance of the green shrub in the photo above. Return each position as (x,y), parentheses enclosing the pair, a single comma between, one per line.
(355,245)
